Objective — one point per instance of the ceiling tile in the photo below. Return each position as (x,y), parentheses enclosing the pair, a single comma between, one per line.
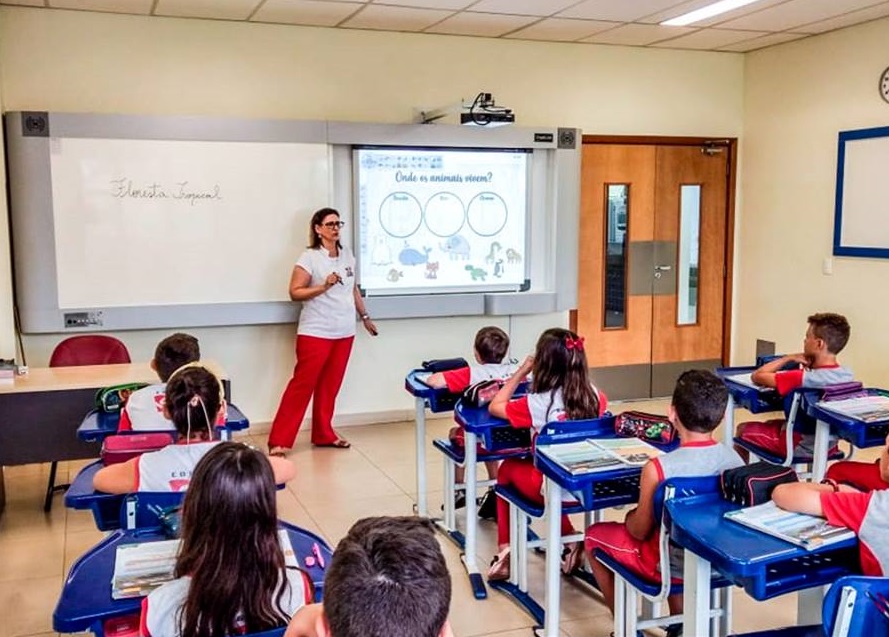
(215,9)
(562,30)
(395,18)
(856,17)
(454,5)
(681,8)
(795,13)
(25,3)
(311,12)
(482,24)
(762,42)
(523,7)
(709,39)
(637,34)
(617,10)
(114,6)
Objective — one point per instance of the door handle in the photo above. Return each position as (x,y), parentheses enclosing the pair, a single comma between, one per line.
(662,268)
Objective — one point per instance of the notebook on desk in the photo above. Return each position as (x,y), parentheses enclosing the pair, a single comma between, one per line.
(588,456)
(807,531)
(746,380)
(873,408)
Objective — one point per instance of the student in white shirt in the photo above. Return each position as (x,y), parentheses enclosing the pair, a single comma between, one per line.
(323,281)
(231,573)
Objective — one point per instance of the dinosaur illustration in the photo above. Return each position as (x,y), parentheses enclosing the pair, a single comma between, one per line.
(492,255)
(498,268)
(431,270)
(457,247)
(512,256)
(409,256)
(394,275)
(478,274)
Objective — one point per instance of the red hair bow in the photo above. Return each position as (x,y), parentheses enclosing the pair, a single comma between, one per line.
(574,343)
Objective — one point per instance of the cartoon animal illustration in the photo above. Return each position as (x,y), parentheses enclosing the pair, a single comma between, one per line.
(431,270)
(381,254)
(512,256)
(478,274)
(492,255)
(457,247)
(409,256)
(394,275)
(498,268)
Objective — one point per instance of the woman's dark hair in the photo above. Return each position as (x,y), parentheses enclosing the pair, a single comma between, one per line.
(230,546)
(317,219)
(560,362)
(193,398)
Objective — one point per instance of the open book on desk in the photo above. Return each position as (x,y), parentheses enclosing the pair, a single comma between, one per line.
(140,568)
(601,454)
(807,531)
(747,381)
(873,408)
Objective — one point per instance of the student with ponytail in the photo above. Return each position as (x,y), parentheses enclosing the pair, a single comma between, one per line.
(560,390)
(231,578)
(193,401)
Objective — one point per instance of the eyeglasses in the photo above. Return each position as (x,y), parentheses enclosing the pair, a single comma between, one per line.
(334,224)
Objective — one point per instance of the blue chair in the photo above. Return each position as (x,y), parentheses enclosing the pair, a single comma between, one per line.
(796,417)
(628,585)
(850,609)
(143,510)
(129,625)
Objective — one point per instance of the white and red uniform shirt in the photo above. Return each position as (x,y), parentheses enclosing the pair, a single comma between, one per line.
(170,468)
(790,379)
(331,314)
(535,410)
(868,515)
(463,377)
(161,609)
(144,410)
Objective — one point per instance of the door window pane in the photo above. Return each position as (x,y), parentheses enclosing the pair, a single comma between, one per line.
(689,251)
(616,255)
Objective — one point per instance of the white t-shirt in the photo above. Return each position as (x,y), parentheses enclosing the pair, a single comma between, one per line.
(331,314)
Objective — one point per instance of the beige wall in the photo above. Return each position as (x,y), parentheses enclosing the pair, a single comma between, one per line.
(7,329)
(797,97)
(87,62)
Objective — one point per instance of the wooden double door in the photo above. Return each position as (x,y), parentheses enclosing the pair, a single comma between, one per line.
(655,261)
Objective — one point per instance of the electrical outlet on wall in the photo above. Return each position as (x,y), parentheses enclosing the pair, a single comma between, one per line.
(827,266)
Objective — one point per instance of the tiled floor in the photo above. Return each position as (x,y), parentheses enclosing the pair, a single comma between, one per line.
(333,488)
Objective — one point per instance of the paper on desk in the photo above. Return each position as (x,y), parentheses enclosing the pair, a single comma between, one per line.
(746,380)
(873,408)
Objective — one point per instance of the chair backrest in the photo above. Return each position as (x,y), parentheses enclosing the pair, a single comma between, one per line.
(855,605)
(570,430)
(143,510)
(89,349)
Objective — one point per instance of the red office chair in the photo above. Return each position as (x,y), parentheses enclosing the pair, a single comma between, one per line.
(88,349)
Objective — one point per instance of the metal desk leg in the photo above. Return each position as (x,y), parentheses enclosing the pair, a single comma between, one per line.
(696,604)
(728,423)
(808,606)
(469,552)
(819,455)
(553,558)
(422,509)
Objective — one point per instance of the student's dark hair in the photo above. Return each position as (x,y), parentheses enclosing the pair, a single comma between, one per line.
(832,328)
(387,577)
(193,398)
(491,343)
(699,399)
(175,351)
(230,545)
(560,362)
(317,219)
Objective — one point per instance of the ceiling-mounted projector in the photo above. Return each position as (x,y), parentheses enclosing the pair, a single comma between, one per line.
(487,118)
(482,111)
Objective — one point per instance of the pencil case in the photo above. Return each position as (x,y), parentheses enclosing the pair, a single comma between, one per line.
(117,449)
(111,400)
(752,484)
(444,364)
(645,426)
(122,626)
(482,393)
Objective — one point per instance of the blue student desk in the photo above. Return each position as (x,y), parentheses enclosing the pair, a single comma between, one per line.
(85,603)
(765,567)
(438,401)
(97,426)
(859,433)
(754,400)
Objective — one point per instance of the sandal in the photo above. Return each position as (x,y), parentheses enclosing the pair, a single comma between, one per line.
(572,557)
(499,569)
(278,452)
(339,443)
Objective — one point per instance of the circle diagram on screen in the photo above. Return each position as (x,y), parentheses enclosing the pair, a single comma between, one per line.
(400,214)
(444,214)
(487,214)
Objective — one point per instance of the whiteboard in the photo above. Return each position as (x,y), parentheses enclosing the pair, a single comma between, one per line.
(440,220)
(862,207)
(184,222)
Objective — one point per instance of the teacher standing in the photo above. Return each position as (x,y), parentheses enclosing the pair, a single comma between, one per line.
(323,280)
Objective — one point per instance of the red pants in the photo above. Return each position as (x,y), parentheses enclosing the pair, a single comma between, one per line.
(320,367)
(524,477)
(864,476)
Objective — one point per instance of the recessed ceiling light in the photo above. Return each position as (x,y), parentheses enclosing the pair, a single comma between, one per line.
(706,12)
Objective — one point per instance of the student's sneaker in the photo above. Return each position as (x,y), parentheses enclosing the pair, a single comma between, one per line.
(572,557)
(499,569)
(487,510)
(459,500)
